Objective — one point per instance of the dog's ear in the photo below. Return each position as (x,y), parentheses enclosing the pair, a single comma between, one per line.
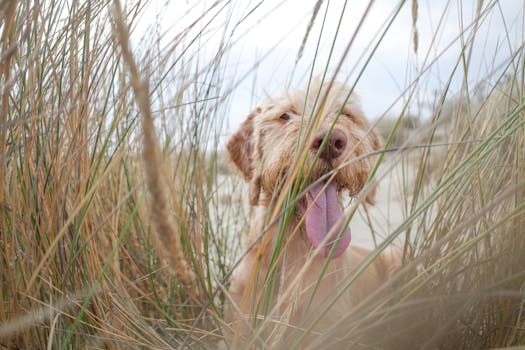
(241,147)
(377,141)
(377,144)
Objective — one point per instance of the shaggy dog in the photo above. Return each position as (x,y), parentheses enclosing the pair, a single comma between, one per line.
(323,132)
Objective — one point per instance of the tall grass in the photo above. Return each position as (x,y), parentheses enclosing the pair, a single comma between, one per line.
(79,267)
(80,237)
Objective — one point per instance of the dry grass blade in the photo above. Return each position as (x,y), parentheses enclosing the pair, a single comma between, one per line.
(415,38)
(168,240)
(315,12)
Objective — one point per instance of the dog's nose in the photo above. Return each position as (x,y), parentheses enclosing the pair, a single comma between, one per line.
(334,146)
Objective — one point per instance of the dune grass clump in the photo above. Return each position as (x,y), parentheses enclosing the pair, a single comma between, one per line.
(79,265)
(463,280)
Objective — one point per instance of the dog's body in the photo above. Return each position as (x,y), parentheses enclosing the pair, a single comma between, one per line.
(298,255)
(264,149)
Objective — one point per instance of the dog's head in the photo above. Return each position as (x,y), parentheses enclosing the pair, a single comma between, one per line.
(325,125)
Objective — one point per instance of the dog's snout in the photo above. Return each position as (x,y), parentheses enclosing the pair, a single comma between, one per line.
(334,146)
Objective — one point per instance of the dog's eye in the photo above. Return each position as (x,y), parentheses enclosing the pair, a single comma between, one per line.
(349,116)
(285,116)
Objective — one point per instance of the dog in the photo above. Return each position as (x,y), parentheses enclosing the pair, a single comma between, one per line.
(322,131)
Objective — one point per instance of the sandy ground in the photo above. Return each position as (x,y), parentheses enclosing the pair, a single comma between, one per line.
(388,213)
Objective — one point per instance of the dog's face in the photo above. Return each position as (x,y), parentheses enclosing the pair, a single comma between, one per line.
(266,144)
(324,127)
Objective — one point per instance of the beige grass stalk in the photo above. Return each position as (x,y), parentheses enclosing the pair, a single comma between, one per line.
(5,59)
(166,238)
(415,35)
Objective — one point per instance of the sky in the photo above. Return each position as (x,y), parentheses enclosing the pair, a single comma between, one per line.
(267,35)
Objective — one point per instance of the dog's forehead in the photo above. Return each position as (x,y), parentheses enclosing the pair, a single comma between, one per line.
(335,98)
(277,106)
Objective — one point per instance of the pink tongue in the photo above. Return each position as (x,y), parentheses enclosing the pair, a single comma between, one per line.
(322,217)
